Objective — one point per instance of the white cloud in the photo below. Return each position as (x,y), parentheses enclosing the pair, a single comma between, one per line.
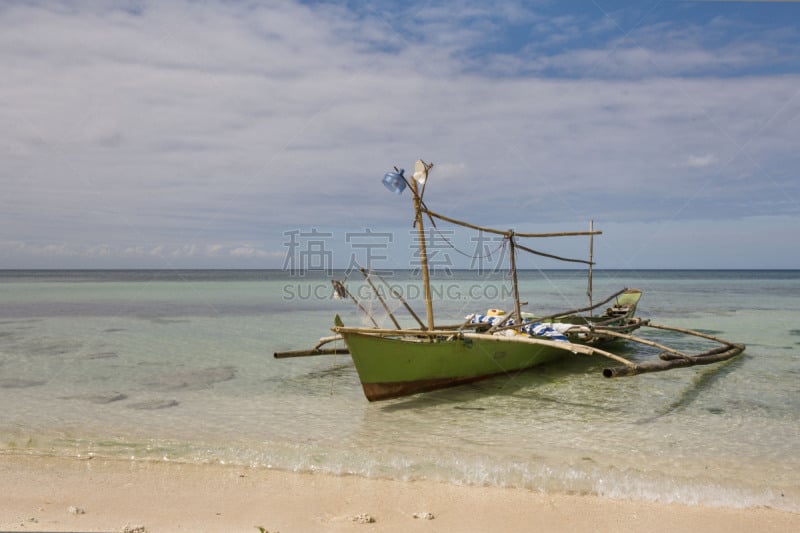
(158,256)
(247,252)
(700,161)
(189,130)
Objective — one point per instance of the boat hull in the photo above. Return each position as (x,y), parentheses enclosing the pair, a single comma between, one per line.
(394,367)
(393,364)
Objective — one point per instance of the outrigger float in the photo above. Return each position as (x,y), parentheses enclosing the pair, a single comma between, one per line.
(400,361)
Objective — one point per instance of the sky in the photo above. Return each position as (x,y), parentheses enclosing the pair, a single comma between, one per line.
(234,134)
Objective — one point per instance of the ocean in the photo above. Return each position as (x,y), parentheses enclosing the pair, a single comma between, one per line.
(178,366)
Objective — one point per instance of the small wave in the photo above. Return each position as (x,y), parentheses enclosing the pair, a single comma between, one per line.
(585,477)
(102,355)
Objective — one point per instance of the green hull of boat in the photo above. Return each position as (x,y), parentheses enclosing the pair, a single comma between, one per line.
(389,367)
(394,366)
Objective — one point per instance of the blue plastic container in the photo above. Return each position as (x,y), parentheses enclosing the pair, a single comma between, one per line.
(395,182)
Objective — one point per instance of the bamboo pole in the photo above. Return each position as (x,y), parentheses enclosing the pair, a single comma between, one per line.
(316,350)
(732,350)
(514,281)
(581,310)
(591,263)
(666,356)
(690,332)
(385,332)
(380,299)
(325,340)
(602,331)
(674,359)
(423,254)
(506,232)
(310,353)
(402,300)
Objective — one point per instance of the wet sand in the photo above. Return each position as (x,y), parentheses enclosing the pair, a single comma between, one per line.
(82,494)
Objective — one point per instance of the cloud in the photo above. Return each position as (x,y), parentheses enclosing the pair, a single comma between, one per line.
(187,131)
(157,256)
(700,161)
(248,252)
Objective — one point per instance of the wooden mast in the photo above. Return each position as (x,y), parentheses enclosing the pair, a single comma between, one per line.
(591,260)
(423,255)
(513,251)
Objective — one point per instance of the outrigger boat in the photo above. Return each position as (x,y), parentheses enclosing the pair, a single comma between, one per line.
(402,361)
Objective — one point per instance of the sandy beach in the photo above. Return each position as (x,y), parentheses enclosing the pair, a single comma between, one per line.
(82,494)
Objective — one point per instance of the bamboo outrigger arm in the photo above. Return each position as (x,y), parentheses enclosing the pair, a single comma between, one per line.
(659,366)
(671,358)
(316,350)
(609,332)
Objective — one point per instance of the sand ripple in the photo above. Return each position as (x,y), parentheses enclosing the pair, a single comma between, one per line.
(99,397)
(152,405)
(19,383)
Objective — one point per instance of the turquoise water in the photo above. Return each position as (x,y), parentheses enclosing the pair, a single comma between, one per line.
(178,366)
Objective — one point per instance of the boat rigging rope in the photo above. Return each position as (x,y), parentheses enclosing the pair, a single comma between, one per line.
(506,237)
(487,255)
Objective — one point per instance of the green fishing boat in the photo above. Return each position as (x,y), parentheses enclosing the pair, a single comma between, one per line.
(392,364)
(401,361)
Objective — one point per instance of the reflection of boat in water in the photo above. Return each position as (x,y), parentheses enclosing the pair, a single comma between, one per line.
(399,362)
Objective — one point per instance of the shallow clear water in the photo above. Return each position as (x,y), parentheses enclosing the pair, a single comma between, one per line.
(179,365)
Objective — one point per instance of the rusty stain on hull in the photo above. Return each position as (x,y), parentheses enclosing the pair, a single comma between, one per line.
(386,391)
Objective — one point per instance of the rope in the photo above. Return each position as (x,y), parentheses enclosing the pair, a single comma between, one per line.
(473,256)
(506,236)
